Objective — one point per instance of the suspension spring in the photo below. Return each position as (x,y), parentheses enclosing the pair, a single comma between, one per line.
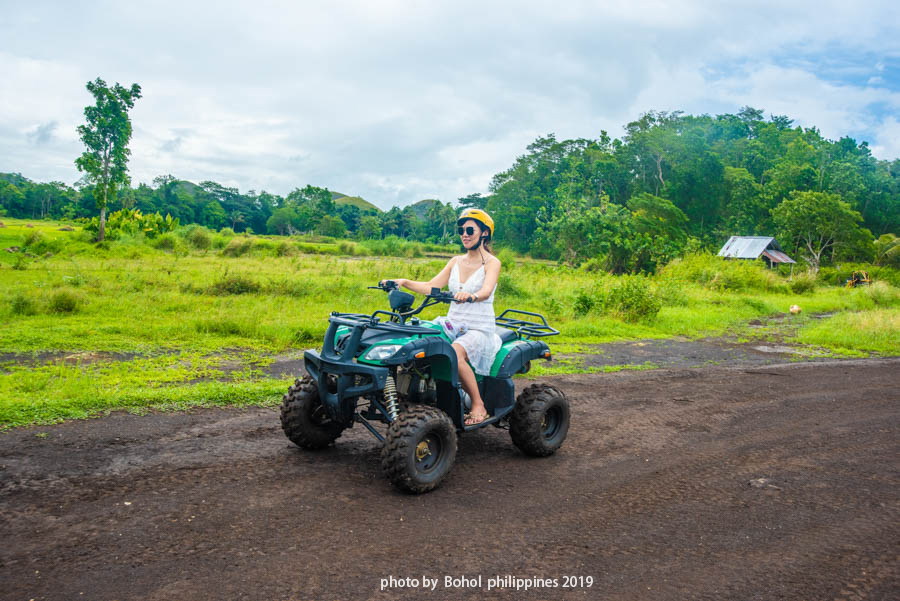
(390,398)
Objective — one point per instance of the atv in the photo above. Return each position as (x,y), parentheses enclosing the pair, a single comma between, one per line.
(394,368)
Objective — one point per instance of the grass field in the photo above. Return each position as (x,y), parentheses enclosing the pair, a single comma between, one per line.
(193,319)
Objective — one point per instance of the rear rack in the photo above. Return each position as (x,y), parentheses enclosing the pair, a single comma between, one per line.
(523,327)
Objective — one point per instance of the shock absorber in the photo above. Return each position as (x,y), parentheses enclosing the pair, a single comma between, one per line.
(390,398)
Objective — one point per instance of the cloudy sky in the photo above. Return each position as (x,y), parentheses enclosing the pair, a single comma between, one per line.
(402,100)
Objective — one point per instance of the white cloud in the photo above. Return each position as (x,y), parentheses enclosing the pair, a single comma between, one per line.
(887,139)
(398,101)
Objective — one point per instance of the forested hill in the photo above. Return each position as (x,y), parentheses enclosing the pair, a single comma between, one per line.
(673,181)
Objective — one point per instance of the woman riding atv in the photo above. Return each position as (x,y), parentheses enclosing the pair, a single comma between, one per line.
(472,278)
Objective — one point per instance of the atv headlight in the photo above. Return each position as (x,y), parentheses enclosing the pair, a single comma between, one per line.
(380,353)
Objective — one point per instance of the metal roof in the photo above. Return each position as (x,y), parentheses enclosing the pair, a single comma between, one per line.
(745,247)
(753,247)
(776,256)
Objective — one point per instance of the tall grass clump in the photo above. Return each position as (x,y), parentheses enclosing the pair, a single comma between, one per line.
(628,297)
(286,249)
(803,284)
(238,247)
(64,301)
(631,299)
(234,284)
(883,294)
(718,273)
(199,238)
(22,304)
(33,237)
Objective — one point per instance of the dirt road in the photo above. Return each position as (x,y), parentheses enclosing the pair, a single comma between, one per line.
(755,482)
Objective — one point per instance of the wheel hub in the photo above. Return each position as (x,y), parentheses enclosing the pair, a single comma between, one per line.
(422,450)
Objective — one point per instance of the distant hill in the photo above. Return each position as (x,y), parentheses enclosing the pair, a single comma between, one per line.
(363,204)
(16,179)
(421,207)
(187,187)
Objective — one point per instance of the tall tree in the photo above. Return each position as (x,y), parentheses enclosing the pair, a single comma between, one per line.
(817,222)
(106,134)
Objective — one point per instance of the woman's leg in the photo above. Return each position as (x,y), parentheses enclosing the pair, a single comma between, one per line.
(470,385)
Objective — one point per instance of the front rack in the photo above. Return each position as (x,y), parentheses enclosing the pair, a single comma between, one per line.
(523,327)
(373,321)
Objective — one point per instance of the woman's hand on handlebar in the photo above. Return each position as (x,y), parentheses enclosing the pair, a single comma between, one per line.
(464,297)
(400,282)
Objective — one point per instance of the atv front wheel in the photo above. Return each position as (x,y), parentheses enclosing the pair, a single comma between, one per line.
(540,421)
(419,449)
(303,417)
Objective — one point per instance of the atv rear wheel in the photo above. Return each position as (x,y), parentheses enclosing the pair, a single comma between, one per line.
(540,421)
(303,417)
(419,449)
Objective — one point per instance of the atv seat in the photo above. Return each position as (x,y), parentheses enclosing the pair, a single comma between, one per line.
(506,335)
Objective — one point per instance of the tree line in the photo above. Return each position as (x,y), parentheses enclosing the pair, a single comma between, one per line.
(672,183)
(675,182)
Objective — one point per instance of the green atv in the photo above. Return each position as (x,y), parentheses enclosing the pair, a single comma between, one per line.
(394,368)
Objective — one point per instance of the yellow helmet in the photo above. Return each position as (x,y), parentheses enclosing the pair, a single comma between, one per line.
(479,216)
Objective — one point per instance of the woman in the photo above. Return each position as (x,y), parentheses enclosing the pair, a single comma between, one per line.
(472,278)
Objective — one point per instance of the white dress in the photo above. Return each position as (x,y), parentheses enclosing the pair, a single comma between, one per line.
(481,340)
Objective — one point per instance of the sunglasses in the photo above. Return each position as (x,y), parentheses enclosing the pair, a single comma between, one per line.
(466,230)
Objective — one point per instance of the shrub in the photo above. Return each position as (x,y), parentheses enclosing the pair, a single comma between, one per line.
(21,262)
(803,284)
(347,248)
(227,232)
(584,303)
(285,249)
(631,298)
(21,304)
(33,237)
(238,247)
(234,284)
(165,242)
(64,301)
(199,238)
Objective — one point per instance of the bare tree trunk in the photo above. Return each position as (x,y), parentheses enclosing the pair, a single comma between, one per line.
(659,172)
(102,225)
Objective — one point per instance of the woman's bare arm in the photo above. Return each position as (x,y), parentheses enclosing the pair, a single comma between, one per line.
(491,274)
(438,281)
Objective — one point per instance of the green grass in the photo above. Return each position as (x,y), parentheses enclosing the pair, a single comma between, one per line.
(874,330)
(184,309)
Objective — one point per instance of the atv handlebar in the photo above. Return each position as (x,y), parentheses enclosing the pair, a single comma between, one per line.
(386,285)
(442,296)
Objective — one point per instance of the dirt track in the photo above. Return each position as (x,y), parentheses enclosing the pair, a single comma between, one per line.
(766,482)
